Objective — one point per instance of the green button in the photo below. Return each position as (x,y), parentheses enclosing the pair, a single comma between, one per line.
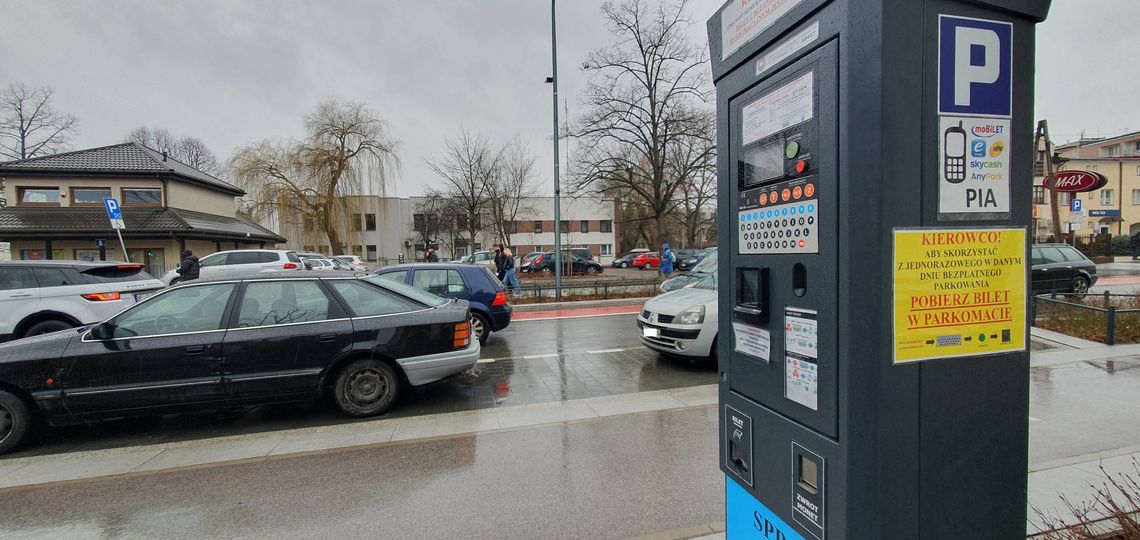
(792,150)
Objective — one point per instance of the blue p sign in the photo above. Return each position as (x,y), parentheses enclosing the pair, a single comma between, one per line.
(113,210)
(975,67)
(1076,205)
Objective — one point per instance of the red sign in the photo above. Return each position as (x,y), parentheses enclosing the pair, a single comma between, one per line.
(1076,181)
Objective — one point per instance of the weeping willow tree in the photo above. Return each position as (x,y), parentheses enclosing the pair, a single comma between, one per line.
(346,152)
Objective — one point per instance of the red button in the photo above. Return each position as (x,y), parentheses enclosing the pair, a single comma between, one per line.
(797,193)
(809,190)
(763,198)
(801,166)
(786,195)
(802,243)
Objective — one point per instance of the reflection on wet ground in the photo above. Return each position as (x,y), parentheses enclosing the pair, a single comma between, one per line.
(537,373)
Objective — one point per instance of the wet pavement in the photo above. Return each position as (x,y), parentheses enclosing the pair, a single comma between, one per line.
(529,362)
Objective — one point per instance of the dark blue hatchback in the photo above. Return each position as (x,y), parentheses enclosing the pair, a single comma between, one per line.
(490,308)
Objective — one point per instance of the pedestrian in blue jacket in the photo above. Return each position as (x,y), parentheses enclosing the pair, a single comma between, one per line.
(667,260)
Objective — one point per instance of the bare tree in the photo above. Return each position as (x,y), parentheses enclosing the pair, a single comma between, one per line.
(29,125)
(512,190)
(647,99)
(468,168)
(189,150)
(697,192)
(433,221)
(346,151)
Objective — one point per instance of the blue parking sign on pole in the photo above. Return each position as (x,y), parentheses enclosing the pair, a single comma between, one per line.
(1076,205)
(115,214)
(113,209)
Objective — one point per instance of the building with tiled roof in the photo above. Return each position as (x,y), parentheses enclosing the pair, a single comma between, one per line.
(52,208)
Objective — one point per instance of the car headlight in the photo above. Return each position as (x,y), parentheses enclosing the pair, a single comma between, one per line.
(693,315)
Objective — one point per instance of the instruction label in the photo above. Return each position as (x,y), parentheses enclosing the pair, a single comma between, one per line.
(780,109)
(973,165)
(753,341)
(789,47)
(742,20)
(958,292)
(801,364)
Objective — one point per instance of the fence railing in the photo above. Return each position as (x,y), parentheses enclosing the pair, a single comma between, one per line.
(1080,306)
(603,290)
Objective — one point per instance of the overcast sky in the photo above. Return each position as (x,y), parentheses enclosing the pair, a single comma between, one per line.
(234,72)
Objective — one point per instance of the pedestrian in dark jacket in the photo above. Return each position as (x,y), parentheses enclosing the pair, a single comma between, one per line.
(189,269)
(500,263)
(431,255)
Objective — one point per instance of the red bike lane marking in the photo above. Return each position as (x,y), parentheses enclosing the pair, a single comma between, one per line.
(1118,280)
(567,313)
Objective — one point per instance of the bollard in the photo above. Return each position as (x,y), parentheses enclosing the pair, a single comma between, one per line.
(606,291)
(1106,299)
(1111,330)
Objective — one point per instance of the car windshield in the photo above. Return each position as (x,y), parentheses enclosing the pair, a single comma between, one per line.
(708,282)
(708,265)
(418,295)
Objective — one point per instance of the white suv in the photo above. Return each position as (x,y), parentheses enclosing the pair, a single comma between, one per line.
(37,297)
(240,262)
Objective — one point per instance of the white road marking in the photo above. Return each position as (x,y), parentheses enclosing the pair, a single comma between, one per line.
(486,360)
(1032,419)
(552,355)
(540,356)
(604,351)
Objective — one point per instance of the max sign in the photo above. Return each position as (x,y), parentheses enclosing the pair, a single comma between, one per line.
(1076,181)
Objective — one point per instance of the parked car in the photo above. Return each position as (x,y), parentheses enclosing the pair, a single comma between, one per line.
(1061,268)
(707,266)
(529,257)
(647,261)
(687,261)
(324,264)
(582,252)
(37,297)
(354,262)
(242,262)
(546,261)
(482,258)
(682,322)
(626,261)
(490,307)
(222,344)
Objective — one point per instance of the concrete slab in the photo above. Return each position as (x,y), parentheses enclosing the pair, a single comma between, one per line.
(449,424)
(697,395)
(634,403)
(1046,489)
(342,436)
(187,456)
(78,466)
(1064,339)
(545,413)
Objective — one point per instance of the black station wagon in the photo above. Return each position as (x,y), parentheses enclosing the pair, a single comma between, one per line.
(230,343)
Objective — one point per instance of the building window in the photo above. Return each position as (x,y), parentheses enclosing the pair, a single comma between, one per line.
(1105,197)
(142,196)
(1064,198)
(1138,168)
(607,249)
(370,222)
(1111,151)
(512,227)
(565,227)
(584,226)
(607,226)
(309,248)
(1136,196)
(310,226)
(1137,148)
(1090,167)
(538,248)
(417,222)
(370,252)
(1038,194)
(538,227)
(358,250)
(86,195)
(356,222)
(46,196)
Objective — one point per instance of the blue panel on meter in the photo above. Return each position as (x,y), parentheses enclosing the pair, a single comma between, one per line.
(746,517)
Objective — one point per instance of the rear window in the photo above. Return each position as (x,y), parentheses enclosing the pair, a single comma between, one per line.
(292,256)
(418,295)
(1072,255)
(14,277)
(245,257)
(113,274)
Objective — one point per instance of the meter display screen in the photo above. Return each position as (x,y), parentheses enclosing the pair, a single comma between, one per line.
(763,163)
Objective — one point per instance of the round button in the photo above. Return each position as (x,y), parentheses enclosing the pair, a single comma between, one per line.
(802,243)
(792,150)
(763,198)
(809,190)
(786,195)
(801,166)
(797,193)
(811,220)
(801,221)
(807,232)
(811,208)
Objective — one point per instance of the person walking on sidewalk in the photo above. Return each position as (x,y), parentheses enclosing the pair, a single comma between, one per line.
(190,268)
(500,265)
(431,256)
(667,260)
(510,278)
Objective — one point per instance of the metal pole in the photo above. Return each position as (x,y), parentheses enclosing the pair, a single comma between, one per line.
(126,257)
(557,181)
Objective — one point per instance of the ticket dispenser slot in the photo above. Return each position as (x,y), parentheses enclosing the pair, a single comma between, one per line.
(751,296)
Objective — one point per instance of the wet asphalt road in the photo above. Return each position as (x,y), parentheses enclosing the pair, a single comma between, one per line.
(531,362)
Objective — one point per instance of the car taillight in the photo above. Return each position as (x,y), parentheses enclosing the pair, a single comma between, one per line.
(537,260)
(500,299)
(102,297)
(462,336)
(129,267)
(290,266)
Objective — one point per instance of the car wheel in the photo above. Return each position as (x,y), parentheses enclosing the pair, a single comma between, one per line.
(1080,287)
(625,265)
(480,327)
(366,388)
(15,421)
(547,269)
(590,270)
(648,266)
(44,327)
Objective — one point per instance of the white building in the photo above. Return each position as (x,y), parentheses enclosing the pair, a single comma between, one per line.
(382,229)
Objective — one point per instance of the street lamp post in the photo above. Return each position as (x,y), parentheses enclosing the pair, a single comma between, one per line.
(553,80)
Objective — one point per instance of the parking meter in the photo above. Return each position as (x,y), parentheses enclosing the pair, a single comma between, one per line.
(874,175)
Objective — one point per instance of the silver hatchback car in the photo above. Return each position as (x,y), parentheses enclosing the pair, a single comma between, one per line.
(242,262)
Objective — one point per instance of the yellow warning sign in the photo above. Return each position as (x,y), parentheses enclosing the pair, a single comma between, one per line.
(958,292)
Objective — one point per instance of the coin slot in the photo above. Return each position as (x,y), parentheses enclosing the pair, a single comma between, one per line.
(799,279)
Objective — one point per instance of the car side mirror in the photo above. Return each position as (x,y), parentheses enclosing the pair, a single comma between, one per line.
(102,331)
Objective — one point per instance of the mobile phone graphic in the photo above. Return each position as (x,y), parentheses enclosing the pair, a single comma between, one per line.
(954,166)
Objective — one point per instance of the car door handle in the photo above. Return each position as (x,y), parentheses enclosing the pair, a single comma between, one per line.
(195,349)
(327,337)
(26,295)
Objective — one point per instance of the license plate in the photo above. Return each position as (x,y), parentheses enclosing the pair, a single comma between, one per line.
(139,297)
(650,332)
